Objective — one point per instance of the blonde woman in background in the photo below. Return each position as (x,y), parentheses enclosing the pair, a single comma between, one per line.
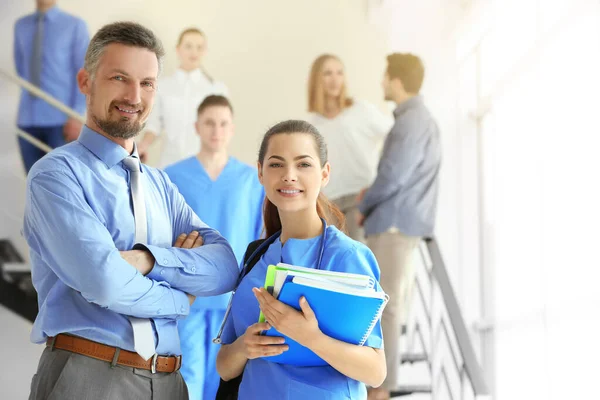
(177,101)
(353,130)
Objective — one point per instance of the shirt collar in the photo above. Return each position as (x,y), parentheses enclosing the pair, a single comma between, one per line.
(402,107)
(105,149)
(51,13)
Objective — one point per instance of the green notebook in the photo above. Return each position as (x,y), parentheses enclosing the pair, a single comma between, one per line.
(278,274)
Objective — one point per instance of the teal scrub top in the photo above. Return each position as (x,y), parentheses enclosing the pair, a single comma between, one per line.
(231,204)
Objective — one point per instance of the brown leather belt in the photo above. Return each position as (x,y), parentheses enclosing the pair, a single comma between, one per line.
(114,355)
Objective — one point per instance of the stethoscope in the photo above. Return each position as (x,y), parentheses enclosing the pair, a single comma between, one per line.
(259,250)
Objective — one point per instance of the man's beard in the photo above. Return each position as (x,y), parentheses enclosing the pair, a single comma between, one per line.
(123,129)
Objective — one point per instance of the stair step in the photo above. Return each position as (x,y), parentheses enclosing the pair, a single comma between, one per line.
(416,396)
(406,390)
(413,358)
(12,267)
(21,302)
(8,253)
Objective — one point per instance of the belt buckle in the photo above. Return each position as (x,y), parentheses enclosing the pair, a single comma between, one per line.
(153,363)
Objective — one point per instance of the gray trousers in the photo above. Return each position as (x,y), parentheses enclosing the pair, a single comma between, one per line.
(394,253)
(347,204)
(69,376)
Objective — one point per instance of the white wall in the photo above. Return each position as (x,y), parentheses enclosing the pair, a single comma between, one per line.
(541,77)
(261,49)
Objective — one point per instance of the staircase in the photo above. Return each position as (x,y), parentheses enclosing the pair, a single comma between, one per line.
(438,358)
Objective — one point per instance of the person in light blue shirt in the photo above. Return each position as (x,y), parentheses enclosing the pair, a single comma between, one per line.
(49,49)
(103,293)
(227,195)
(293,168)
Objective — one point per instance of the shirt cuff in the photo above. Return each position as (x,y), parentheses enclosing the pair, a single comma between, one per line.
(181,303)
(165,262)
(163,257)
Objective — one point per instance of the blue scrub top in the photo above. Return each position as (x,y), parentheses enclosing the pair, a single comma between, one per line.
(265,379)
(231,204)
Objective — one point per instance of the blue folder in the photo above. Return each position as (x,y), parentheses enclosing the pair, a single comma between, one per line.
(346,317)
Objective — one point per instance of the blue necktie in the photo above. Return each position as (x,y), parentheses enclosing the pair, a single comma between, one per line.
(36,52)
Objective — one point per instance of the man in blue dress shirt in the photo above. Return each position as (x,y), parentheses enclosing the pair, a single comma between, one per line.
(101,226)
(49,49)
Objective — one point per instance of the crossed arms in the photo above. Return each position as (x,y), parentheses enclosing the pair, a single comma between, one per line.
(63,229)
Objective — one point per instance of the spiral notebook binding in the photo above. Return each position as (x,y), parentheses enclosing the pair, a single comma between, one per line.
(374,320)
(371,283)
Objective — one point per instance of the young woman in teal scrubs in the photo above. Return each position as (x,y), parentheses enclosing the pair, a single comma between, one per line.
(293,168)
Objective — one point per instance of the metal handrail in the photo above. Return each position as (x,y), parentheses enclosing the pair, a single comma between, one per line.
(471,365)
(42,95)
(34,141)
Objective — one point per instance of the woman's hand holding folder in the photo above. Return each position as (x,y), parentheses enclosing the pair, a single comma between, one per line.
(256,346)
(358,362)
(302,327)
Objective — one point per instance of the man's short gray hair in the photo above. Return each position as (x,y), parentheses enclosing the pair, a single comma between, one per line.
(126,33)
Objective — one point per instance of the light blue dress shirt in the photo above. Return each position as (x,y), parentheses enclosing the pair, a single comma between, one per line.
(266,379)
(65,42)
(78,216)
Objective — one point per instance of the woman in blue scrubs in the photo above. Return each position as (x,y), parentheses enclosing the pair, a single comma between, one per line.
(293,169)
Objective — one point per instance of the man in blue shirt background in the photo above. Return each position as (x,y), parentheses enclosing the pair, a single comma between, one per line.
(106,235)
(49,49)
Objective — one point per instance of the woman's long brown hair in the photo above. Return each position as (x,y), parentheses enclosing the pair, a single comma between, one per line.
(325,208)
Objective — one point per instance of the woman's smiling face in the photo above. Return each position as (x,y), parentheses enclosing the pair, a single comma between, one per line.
(291,172)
